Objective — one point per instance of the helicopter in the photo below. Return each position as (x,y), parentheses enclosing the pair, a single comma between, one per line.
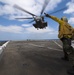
(39,20)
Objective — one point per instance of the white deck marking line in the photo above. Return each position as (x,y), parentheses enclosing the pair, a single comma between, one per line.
(57,44)
(4,45)
(45,47)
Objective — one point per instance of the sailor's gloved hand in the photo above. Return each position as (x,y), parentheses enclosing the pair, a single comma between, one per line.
(47,15)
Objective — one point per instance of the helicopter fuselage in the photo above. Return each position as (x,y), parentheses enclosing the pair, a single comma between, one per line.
(40,25)
(39,22)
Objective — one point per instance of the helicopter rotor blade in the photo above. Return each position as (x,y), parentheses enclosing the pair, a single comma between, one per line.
(16,6)
(58,10)
(23,18)
(44,6)
(31,21)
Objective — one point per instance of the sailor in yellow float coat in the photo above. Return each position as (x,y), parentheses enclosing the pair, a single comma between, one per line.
(65,35)
(65,30)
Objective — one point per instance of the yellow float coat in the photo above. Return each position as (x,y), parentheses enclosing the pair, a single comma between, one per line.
(65,29)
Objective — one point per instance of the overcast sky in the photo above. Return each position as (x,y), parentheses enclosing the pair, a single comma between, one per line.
(12,29)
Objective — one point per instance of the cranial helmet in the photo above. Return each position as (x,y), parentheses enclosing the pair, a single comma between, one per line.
(64,19)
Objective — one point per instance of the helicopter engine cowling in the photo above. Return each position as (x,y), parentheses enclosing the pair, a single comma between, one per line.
(37,18)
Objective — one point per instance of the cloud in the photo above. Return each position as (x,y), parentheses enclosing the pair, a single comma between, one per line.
(11,29)
(71,20)
(46,30)
(33,6)
(53,4)
(70,6)
(26,25)
(26,29)
(70,10)
(48,33)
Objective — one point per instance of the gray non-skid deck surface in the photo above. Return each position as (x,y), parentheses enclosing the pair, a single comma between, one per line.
(33,58)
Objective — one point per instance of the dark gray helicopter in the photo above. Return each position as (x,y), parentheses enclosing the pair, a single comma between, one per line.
(39,20)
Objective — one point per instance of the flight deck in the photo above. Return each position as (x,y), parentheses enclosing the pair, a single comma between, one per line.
(33,58)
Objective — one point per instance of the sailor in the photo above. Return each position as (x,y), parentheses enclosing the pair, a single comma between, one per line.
(65,35)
